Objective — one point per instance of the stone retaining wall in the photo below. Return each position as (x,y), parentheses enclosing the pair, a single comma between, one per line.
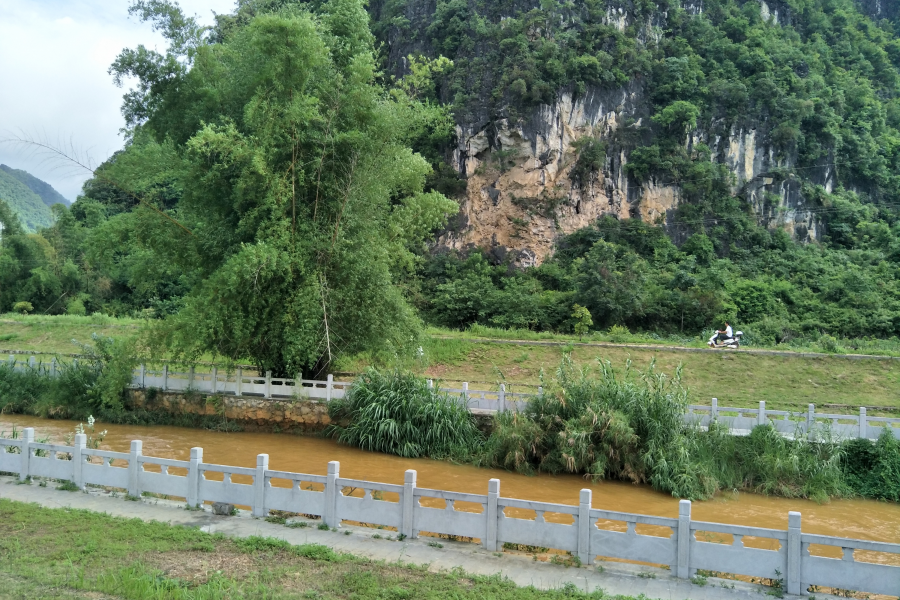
(251,413)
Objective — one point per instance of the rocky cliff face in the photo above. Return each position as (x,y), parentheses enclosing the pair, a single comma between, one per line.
(521,195)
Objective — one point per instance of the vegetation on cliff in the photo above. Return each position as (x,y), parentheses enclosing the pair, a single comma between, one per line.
(630,274)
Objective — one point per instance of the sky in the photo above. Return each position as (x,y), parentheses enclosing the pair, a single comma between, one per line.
(54,85)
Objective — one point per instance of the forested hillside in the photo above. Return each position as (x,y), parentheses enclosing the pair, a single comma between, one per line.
(307,179)
(27,205)
(40,187)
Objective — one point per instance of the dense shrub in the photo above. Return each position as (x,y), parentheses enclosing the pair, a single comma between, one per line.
(631,427)
(631,274)
(95,385)
(396,412)
(873,470)
(766,462)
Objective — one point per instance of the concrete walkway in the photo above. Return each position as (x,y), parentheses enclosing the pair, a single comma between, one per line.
(613,578)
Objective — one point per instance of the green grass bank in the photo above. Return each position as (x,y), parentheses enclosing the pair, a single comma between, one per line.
(785,382)
(68,554)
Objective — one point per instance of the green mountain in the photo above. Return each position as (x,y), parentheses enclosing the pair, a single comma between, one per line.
(26,204)
(43,189)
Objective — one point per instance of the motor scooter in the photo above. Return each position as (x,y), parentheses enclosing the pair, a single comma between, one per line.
(733,342)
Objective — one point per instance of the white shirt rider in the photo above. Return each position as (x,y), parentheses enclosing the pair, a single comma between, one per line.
(729,333)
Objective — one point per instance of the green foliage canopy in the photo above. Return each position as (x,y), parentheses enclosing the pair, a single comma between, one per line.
(298,199)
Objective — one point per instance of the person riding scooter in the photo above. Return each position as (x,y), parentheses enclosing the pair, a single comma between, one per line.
(726,338)
(722,334)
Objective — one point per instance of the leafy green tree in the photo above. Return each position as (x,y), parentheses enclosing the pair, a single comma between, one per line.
(301,200)
(610,282)
(583,321)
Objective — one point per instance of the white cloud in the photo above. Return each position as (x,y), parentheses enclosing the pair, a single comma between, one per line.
(54,85)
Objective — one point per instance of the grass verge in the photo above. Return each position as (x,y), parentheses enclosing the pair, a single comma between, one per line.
(736,378)
(68,554)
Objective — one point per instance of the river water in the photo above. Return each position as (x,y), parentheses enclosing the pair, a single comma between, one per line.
(861,519)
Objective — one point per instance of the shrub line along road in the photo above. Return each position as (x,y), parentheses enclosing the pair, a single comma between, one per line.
(665,348)
(616,578)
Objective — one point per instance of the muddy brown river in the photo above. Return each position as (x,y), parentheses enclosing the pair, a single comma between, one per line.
(861,519)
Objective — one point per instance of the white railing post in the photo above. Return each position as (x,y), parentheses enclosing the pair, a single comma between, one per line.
(259,485)
(268,384)
(27,440)
(714,410)
(31,362)
(683,570)
(409,504)
(11,361)
(761,417)
(215,379)
(165,385)
(143,375)
(431,384)
(329,387)
(465,393)
(863,423)
(74,363)
(78,460)
(794,554)
(239,382)
(331,494)
(584,528)
(190,384)
(53,367)
(493,515)
(502,397)
(810,420)
(193,478)
(134,468)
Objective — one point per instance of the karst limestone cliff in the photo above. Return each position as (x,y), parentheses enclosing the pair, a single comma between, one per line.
(521,195)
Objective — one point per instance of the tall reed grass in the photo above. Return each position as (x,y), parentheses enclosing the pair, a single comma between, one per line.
(395,412)
(627,426)
(630,426)
(623,424)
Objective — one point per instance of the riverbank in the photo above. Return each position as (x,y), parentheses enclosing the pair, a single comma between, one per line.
(77,543)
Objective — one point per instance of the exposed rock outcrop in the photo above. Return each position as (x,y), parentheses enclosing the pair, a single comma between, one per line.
(521,193)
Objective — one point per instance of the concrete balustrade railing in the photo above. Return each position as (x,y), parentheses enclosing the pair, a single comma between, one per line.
(490,518)
(807,423)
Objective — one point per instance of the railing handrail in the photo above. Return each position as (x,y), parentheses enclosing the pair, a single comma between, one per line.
(681,550)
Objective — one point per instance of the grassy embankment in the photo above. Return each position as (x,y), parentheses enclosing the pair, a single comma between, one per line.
(69,554)
(737,379)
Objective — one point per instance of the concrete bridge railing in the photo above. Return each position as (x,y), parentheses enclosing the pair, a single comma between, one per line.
(684,545)
(239,383)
